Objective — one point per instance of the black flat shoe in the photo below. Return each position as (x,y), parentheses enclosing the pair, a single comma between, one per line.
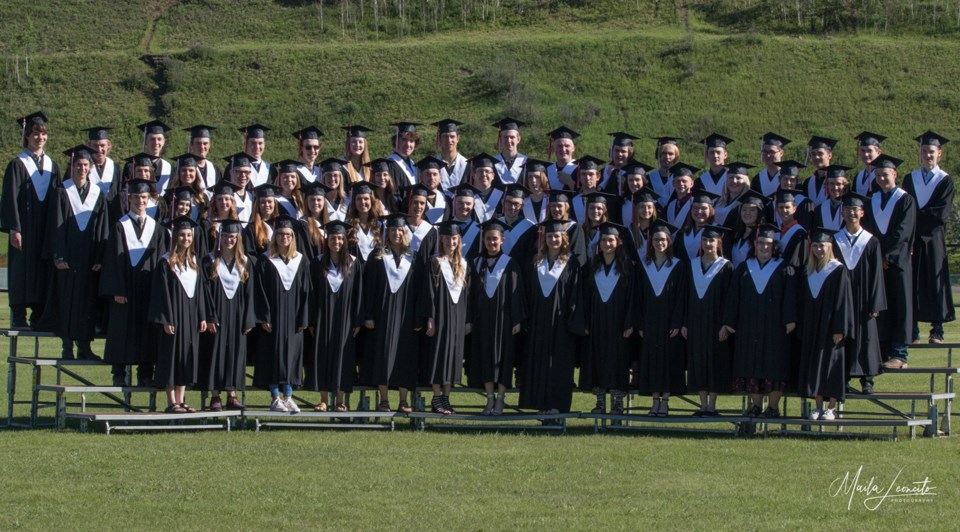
(87,355)
(867,389)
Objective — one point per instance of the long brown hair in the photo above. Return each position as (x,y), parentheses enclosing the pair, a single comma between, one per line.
(182,257)
(459,266)
(239,260)
(372,224)
(543,253)
(260,225)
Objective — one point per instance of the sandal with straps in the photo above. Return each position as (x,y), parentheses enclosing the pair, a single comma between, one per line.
(321,407)
(343,408)
(175,408)
(384,406)
(404,407)
(187,408)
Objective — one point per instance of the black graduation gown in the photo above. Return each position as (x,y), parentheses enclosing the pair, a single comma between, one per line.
(330,365)
(309,250)
(172,304)
(933,298)
(74,308)
(555,321)
(22,210)
(662,358)
(794,250)
(493,317)
(823,366)
(578,244)
(224,353)
(895,325)
(868,296)
(393,345)
(760,320)
(441,360)
(130,338)
(606,363)
(280,359)
(709,362)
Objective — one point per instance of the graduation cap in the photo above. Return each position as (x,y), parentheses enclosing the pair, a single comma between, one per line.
(356,131)
(309,132)
(836,171)
(180,223)
(337,227)
(184,193)
(199,131)
(405,127)
(563,132)
(447,125)
(508,124)
(482,160)
(636,168)
(396,220)
(448,228)
(254,131)
(224,188)
(714,231)
(704,196)
(866,138)
(494,224)
(822,234)
(230,226)
(79,152)
(665,139)
(153,127)
(465,190)
(419,190)
(559,196)
(621,138)
(378,166)
(267,190)
(816,142)
(768,231)
(752,197)
(610,228)
(772,139)
(885,161)
(98,133)
(333,164)
(139,186)
(283,221)
(535,165)
(314,189)
(852,199)
(790,167)
(286,166)
(362,187)
(683,169)
(431,163)
(716,140)
(589,162)
(662,226)
(553,226)
(141,160)
(187,160)
(239,160)
(515,190)
(929,138)
(32,119)
(600,197)
(784,195)
(739,168)
(645,195)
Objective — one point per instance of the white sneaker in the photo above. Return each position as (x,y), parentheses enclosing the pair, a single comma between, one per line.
(291,406)
(278,406)
(815,415)
(828,415)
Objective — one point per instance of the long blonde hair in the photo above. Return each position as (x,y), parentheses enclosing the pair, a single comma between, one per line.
(239,259)
(274,249)
(459,267)
(260,225)
(814,265)
(543,253)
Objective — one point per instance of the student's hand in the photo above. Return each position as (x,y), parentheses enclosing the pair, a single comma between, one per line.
(356,331)
(300,329)
(267,327)
(61,265)
(468,328)
(874,314)
(627,333)
(247,330)
(886,264)
(16,240)
(640,332)
(837,338)
(586,331)
(674,333)
(169,329)
(95,267)
(368,324)
(120,300)
(203,326)
(431,331)
(791,327)
(516,329)
(684,331)
(725,333)
(211,327)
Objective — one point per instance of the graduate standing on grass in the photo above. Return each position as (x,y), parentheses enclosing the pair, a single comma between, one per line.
(892,218)
(634,179)
(333,176)
(258,234)
(437,199)
(178,304)
(423,235)
(187,176)
(709,344)
(240,171)
(662,285)
(335,305)
(509,161)
(209,174)
(715,155)
(702,213)
(483,176)
(678,206)
(587,178)
(310,228)
(519,233)
(384,189)
(828,214)
(290,196)
(559,210)
(793,235)
(363,217)
(442,315)
(308,148)
(357,153)
(535,180)
(134,249)
(771,153)
(932,188)
(661,179)
(762,311)
(859,251)
(464,198)
(498,309)
(229,283)
(609,298)
(254,144)
(820,155)
(738,184)
(454,169)
(825,322)
(868,149)
(104,171)
(597,213)
(645,207)
(403,171)
(790,180)
(282,304)
(154,140)
(743,223)
(556,319)
(29,182)
(620,154)
(391,286)
(78,231)
(560,173)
